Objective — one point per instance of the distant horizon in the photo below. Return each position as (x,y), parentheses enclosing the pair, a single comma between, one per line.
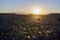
(22,13)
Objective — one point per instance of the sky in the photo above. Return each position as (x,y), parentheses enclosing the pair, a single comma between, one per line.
(47,6)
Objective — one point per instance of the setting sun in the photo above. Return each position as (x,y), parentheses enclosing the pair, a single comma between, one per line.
(36,11)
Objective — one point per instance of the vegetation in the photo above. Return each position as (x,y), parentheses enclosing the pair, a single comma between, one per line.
(16,27)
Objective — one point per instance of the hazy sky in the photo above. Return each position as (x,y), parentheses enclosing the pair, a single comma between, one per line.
(28,5)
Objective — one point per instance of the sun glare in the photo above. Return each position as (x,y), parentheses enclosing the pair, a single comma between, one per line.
(36,11)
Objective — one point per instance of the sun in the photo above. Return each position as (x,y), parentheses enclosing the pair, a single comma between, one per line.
(36,11)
